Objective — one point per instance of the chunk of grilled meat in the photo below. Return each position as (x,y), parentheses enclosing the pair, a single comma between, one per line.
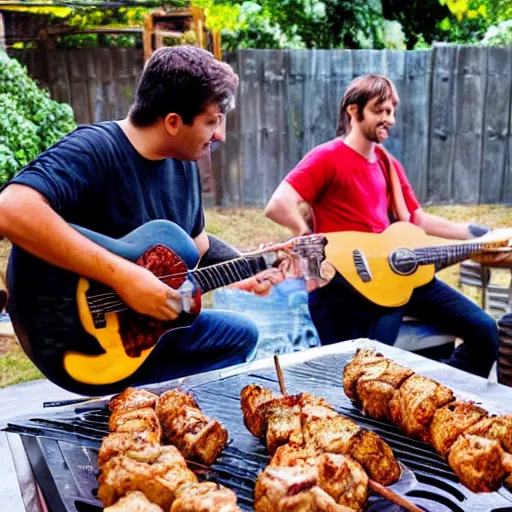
(159,479)
(414,403)
(362,361)
(131,399)
(342,436)
(197,436)
(134,501)
(283,421)
(280,419)
(375,387)
(481,464)
(138,420)
(340,477)
(495,427)
(251,399)
(205,497)
(450,421)
(292,489)
(140,446)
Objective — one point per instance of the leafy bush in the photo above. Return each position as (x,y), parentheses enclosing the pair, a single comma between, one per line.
(498,35)
(30,121)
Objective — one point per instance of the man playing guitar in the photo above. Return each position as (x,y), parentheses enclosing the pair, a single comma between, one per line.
(111,178)
(353,184)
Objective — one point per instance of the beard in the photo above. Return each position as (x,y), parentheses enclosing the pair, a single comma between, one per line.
(377,133)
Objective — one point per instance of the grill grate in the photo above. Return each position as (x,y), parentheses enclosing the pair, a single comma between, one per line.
(62,444)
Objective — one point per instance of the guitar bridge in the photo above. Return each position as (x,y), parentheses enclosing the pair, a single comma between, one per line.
(99,320)
(362,267)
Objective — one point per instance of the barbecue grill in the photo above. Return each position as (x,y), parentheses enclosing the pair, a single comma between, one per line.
(62,444)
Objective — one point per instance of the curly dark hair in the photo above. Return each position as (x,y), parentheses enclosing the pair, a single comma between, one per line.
(359,92)
(182,80)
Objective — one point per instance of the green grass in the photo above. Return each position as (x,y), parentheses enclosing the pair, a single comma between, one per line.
(15,367)
(246,229)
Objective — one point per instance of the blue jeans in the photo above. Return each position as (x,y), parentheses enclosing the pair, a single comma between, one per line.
(216,339)
(340,313)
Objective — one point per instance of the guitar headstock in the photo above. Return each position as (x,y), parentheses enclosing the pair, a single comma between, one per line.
(310,250)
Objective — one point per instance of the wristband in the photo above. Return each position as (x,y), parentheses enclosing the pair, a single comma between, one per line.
(477,231)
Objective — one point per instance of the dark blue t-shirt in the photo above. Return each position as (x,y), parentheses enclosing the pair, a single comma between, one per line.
(94,178)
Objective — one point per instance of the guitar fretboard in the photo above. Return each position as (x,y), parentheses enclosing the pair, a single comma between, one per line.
(444,256)
(226,273)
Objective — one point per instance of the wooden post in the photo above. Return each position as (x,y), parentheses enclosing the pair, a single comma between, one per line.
(147,36)
(198,19)
(2,32)
(217,48)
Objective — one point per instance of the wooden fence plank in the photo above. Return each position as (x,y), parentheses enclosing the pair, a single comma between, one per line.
(58,76)
(273,141)
(393,66)
(251,70)
(124,85)
(441,128)
(226,161)
(469,99)
(78,85)
(343,72)
(414,106)
(496,124)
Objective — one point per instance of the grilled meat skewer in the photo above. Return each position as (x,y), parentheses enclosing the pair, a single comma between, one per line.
(306,419)
(158,478)
(137,470)
(477,446)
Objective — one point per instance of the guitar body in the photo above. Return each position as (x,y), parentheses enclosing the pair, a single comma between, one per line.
(77,318)
(386,287)
(127,337)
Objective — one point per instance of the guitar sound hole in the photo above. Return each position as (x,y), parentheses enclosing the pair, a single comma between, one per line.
(403,262)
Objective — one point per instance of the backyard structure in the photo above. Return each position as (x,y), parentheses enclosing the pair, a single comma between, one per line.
(452,132)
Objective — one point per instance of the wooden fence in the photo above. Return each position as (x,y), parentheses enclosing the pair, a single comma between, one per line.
(452,134)
(98,83)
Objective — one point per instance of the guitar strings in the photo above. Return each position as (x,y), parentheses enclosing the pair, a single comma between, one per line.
(103,303)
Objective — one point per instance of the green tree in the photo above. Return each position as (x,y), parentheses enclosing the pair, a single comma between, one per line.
(420,19)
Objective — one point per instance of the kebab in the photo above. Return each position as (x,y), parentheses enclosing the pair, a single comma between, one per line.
(309,466)
(136,468)
(476,445)
(305,419)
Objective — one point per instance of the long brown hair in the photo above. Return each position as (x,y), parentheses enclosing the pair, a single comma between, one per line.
(359,92)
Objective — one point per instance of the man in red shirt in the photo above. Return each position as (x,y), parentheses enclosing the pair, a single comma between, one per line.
(345,183)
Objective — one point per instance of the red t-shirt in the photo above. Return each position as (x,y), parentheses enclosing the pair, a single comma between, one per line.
(345,190)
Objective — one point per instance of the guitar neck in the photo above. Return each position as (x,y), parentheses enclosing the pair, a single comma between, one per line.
(446,255)
(228,272)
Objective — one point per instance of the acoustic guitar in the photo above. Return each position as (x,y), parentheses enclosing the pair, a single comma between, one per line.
(387,267)
(115,339)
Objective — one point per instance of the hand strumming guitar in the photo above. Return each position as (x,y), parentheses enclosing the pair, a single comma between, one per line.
(143,292)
